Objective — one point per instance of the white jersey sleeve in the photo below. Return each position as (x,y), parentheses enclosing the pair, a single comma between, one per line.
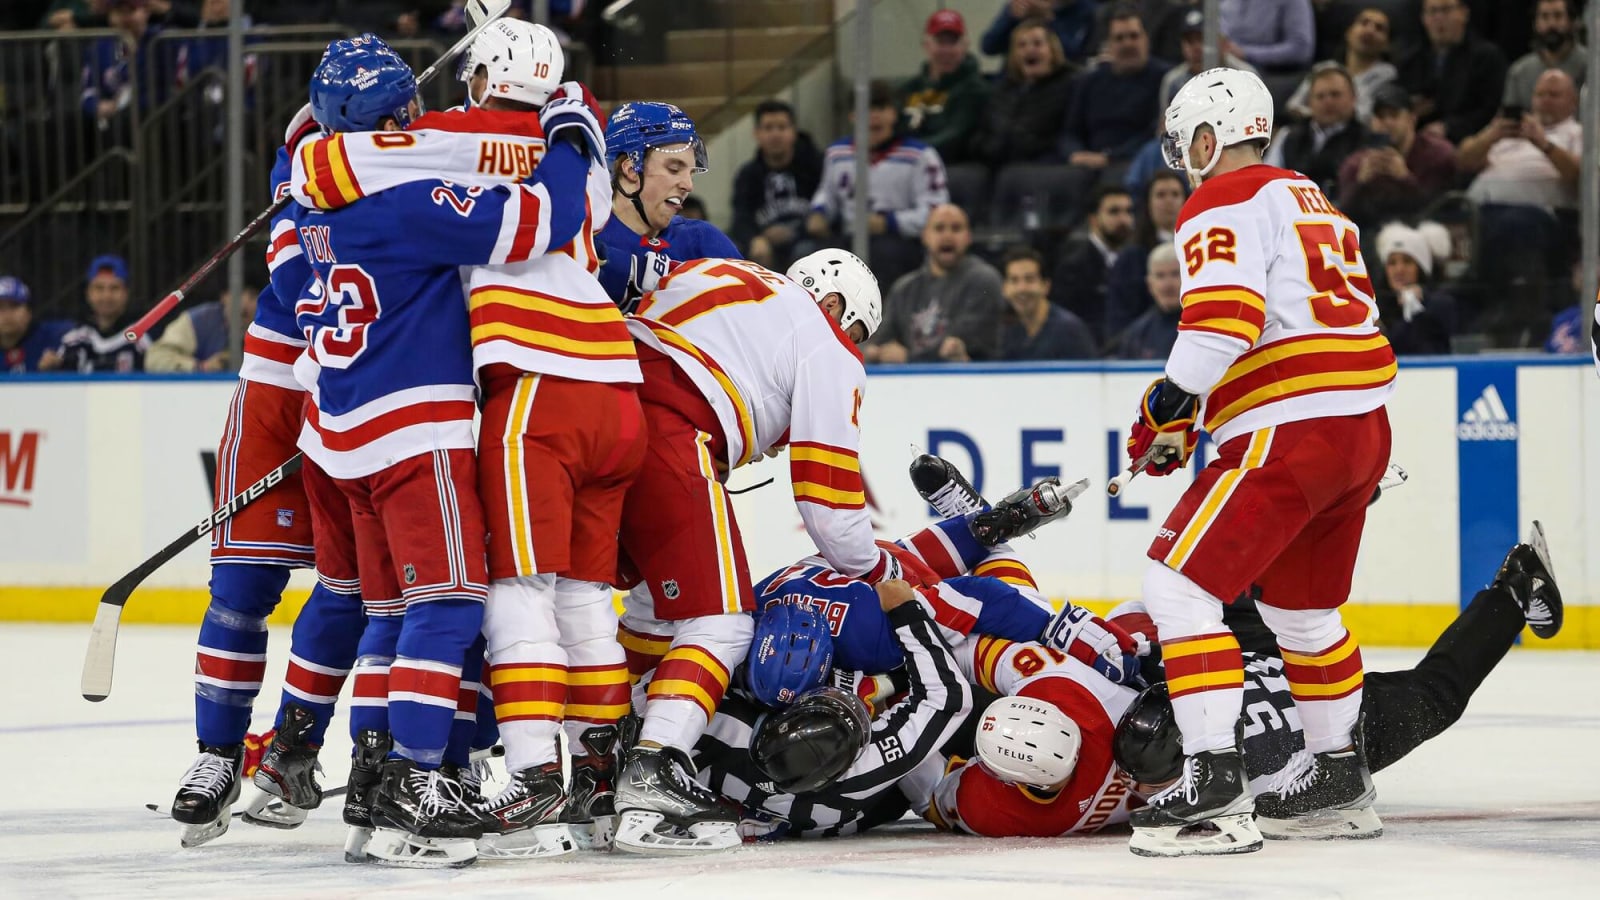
(1223,256)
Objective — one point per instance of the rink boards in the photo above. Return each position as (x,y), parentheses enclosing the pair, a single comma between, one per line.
(97,475)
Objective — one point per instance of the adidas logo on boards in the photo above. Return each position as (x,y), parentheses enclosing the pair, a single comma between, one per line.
(1487,419)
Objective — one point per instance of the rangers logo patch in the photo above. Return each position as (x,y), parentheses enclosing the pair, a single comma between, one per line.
(285,518)
(669,589)
(411,573)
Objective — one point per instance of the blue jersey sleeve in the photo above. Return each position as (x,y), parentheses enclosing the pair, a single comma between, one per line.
(706,241)
(1005,613)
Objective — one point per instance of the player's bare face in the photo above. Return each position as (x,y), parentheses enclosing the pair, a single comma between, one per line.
(478,86)
(668,179)
(834,307)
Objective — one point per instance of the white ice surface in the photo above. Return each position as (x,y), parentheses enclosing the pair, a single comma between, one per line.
(1506,804)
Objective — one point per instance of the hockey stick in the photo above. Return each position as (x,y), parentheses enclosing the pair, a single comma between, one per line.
(480,15)
(101,657)
(1157,453)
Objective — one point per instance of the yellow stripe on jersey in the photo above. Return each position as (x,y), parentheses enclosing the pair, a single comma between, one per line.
(741,413)
(547,305)
(343,178)
(492,330)
(834,458)
(1216,498)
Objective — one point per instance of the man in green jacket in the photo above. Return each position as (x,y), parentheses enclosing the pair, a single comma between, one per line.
(944,103)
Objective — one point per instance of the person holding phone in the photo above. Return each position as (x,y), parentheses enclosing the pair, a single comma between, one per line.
(1402,172)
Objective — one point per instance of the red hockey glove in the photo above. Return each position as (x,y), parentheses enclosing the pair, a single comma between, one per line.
(1166,418)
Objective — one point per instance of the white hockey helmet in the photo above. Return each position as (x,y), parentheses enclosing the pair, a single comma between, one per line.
(840,272)
(1236,104)
(1028,741)
(523,61)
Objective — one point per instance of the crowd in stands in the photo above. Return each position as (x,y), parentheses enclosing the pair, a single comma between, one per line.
(1030,165)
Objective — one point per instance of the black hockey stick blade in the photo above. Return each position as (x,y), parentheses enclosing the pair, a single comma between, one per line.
(100,659)
(166,810)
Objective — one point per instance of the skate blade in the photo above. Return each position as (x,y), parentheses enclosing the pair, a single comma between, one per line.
(647,832)
(1324,825)
(269,811)
(205,832)
(596,835)
(538,842)
(355,844)
(1232,834)
(388,847)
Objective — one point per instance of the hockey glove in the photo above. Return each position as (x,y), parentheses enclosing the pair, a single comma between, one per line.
(573,113)
(1096,643)
(1166,421)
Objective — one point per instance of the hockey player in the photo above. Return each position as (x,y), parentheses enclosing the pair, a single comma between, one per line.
(822,767)
(653,153)
(1280,358)
(1399,710)
(252,555)
(388,440)
(737,360)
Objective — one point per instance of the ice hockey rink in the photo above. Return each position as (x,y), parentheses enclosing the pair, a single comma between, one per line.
(1506,803)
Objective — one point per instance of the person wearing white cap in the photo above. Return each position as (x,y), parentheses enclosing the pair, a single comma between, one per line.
(1417,317)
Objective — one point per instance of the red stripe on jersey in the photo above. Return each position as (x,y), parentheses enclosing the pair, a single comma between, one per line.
(820,473)
(370,684)
(527,233)
(935,554)
(312,683)
(1006,569)
(272,350)
(478,120)
(289,238)
(445,686)
(951,617)
(844,339)
(321,174)
(1232,188)
(378,426)
(1296,367)
(240,671)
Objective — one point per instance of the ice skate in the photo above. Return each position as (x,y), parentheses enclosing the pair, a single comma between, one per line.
(1206,812)
(287,773)
(1527,576)
(419,821)
(591,809)
(372,748)
(1024,510)
(525,820)
(207,793)
(662,809)
(944,487)
(1320,797)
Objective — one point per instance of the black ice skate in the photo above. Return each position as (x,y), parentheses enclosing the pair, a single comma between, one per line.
(591,795)
(940,483)
(1526,575)
(524,821)
(207,793)
(1321,796)
(1206,812)
(419,821)
(372,748)
(662,809)
(1025,509)
(287,774)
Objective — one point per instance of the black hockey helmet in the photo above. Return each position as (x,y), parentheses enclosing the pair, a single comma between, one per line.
(808,745)
(1147,744)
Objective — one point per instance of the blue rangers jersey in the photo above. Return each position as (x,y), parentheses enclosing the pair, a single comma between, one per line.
(273,341)
(634,264)
(389,355)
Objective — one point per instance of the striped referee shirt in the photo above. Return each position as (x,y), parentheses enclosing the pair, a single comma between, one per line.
(903,751)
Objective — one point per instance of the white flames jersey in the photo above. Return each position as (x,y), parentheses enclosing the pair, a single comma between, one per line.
(776,371)
(1279,322)
(970,798)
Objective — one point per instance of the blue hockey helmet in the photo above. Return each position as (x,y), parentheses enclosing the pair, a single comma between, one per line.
(357,88)
(638,127)
(791,653)
(367,41)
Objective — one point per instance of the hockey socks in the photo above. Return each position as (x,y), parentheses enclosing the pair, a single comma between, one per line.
(232,654)
(425,678)
(321,652)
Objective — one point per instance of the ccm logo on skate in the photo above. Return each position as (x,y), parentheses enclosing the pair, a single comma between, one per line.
(256,490)
(19,458)
(1487,419)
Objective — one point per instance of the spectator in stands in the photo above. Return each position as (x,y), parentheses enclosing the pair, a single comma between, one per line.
(943,103)
(1071,20)
(1365,57)
(197,340)
(1417,317)
(1115,104)
(907,181)
(1029,103)
(1555,46)
(97,344)
(1407,170)
(1276,35)
(1566,328)
(772,192)
(949,309)
(1316,148)
(1152,335)
(1079,282)
(1526,189)
(1127,294)
(1042,330)
(1456,79)
(121,71)
(1193,47)
(23,341)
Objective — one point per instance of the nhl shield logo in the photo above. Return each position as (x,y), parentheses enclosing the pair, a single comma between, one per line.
(285,518)
(410,573)
(669,589)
